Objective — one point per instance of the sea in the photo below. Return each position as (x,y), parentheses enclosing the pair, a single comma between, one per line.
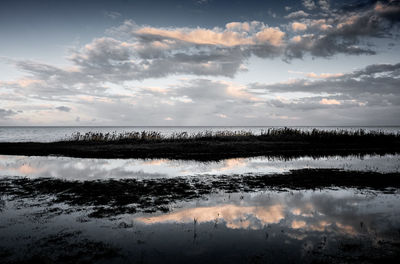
(56,133)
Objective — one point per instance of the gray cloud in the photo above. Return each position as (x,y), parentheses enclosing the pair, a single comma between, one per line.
(325,46)
(324,5)
(133,52)
(297,14)
(4,113)
(367,96)
(309,4)
(45,81)
(112,14)
(375,85)
(347,30)
(144,53)
(316,103)
(63,108)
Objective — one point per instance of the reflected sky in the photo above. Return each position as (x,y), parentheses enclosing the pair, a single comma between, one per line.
(275,226)
(87,169)
(343,211)
(233,216)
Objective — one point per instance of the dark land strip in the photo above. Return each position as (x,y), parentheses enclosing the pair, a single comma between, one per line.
(214,147)
(110,197)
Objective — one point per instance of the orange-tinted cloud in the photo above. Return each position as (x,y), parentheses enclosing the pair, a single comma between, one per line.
(234,34)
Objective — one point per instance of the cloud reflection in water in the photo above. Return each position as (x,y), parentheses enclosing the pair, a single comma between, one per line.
(340,212)
(89,169)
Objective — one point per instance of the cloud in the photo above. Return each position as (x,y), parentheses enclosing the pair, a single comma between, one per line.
(309,4)
(204,91)
(199,36)
(324,5)
(366,96)
(296,26)
(221,115)
(318,76)
(112,14)
(202,2)
(4,113)
(63,108)
(272,14)
(325,101)
(147,52)
(134,52)
(345,31)
(374,85)
(297,14)
(327,45)
(235,34)
(390,10)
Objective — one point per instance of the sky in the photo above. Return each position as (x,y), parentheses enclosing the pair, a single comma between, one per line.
(199,63)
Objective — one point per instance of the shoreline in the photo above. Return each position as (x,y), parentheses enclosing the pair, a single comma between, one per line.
(201,149)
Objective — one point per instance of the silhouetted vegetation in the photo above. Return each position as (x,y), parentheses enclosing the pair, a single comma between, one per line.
(208,145)
(272,134)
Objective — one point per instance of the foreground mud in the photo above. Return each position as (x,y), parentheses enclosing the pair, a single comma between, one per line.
(272,225)
(109,198)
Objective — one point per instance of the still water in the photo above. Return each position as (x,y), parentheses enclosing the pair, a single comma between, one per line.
(343,225)
(90,169)
(334,225)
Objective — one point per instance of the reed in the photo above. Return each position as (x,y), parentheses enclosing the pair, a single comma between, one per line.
(272,134)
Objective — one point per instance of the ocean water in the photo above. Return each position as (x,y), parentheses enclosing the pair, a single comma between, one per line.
(49,134)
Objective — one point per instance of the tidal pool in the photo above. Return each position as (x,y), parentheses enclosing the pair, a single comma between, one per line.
(89,169)
(329,225)
(70,210)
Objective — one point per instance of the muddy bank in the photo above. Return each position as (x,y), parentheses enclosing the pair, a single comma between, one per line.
(113,197)
(207,149)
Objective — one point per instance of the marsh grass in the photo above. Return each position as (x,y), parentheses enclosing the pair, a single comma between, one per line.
(210,145)
(272,134)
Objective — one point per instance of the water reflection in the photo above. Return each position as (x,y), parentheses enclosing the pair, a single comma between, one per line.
(268,226)
(84,169)
(331,211)
(281,227)
(233,216)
